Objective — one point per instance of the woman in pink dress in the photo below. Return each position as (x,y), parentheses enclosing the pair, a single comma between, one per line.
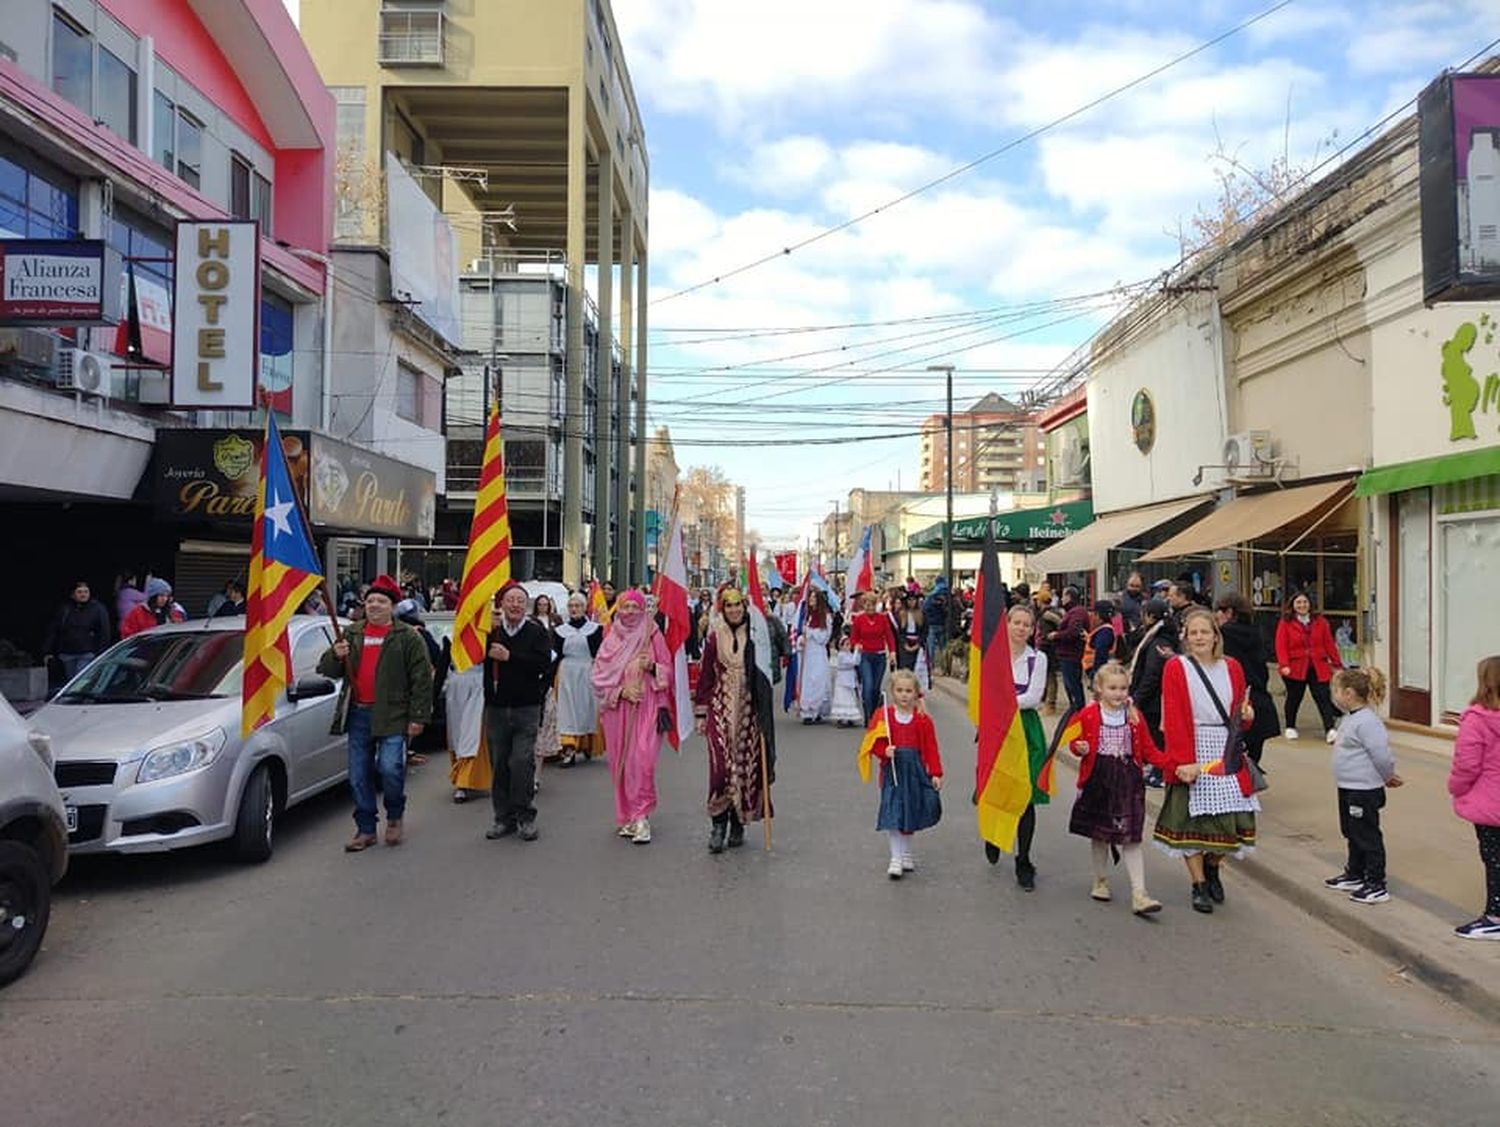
(633,681)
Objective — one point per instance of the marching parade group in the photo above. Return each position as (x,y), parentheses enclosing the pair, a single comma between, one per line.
(1172,706)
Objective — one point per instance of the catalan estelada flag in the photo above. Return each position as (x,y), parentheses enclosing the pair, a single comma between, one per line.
(1002,776)
(283,572)
(877,736)
(487,563)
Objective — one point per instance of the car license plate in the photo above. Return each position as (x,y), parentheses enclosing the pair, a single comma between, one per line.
(71,814)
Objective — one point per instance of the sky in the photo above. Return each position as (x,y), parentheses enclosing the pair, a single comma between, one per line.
(772,123)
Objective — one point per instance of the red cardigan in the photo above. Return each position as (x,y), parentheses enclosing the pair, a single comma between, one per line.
(1299,646)
(918,734)
(872,632)
(1177,717)
(1142,746)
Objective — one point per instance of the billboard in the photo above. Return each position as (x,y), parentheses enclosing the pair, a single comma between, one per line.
(1459,148)
(424,253)
(59,282)
(214,474)
(216,323)
(355,489)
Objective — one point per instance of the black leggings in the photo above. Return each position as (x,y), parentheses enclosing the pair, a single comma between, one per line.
(1025,833)
(1489,853)
(1320,695)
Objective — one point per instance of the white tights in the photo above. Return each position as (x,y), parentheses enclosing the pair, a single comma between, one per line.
(1135,863)
(900,844)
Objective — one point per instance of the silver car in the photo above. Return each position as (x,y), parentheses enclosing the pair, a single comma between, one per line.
(33,843)
(148,750)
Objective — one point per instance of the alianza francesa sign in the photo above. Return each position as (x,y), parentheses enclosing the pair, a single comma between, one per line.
(59,282)
(216,314)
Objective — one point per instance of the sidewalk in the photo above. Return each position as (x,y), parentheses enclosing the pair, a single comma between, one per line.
(1435,876)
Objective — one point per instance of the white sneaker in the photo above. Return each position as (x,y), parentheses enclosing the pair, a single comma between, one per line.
(1333,735)
(908,863)
(1291,733)
(627,830)
(895,869)
(642,835)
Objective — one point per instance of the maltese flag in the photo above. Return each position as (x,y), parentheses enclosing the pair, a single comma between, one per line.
(672,601)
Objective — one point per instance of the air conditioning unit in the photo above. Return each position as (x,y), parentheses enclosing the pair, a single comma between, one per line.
(1248,454)
(86,372)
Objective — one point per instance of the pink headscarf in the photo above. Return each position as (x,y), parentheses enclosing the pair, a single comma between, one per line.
(621,645)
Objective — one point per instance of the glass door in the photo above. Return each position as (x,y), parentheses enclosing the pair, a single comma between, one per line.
(1411,606)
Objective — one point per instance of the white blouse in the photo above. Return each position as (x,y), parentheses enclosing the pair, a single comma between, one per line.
(1036,685)
(1204,709)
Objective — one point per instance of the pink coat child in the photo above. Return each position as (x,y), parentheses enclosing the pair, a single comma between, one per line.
(633,681)
(1474,781)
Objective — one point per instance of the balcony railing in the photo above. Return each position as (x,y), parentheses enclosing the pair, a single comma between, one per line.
(411,39)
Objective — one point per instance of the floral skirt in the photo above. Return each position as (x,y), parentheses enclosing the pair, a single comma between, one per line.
(1180,834)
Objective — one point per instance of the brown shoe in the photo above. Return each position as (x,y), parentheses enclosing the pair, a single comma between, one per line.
(393,833)
(360,843)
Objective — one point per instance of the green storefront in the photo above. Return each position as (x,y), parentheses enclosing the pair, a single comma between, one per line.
(1020,531)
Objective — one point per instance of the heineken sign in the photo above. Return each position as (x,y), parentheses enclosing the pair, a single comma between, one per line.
(1022,531)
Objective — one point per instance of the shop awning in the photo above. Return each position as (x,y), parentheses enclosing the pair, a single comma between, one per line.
(1248,518)
(1429,471)
(1022,529)
(1084,550)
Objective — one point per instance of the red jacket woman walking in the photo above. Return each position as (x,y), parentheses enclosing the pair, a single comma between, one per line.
(1307,657)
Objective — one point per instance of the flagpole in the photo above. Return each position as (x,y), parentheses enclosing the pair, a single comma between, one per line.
(328,603)
(765,791)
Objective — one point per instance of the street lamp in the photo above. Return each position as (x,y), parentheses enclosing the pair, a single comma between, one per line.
(947,370)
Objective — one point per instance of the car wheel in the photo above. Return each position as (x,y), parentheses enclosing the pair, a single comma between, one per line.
(25,905)
(255,825)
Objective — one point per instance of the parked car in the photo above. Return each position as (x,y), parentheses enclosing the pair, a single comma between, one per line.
(149,755)
(33,843)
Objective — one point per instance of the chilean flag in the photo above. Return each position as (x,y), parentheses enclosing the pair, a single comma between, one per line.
(673,604)
(861,574)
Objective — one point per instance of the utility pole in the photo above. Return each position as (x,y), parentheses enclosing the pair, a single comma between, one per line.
(835,535)
(947,370)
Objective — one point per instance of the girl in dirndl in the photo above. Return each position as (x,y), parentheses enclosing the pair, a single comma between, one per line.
(1208,813)
(1110,810)
(911,771)
(1029,671)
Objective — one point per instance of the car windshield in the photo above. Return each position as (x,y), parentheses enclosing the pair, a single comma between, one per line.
(157,666)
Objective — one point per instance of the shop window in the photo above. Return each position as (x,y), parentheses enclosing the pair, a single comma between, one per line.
(1471,575)
(117,92)
(239,187)
(189,148)
(164,131)
(72,62)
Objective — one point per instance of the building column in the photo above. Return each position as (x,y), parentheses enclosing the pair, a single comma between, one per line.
(638,551)
(605,561)
(573,415)
(632,569)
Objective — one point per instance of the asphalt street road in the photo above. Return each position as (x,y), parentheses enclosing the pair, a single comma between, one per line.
(585,980)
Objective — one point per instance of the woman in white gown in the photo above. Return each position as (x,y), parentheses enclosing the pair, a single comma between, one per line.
(815,693)
(577,708)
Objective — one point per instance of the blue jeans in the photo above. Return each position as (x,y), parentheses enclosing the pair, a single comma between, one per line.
(1072,679)
(937,638)
(72,663)
(871,673)
(375,760)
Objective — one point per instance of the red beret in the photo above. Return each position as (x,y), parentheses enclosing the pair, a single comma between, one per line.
(385,585)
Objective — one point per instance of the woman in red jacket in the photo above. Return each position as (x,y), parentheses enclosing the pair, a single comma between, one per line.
(1306,653)
(1208,812)
(874,638)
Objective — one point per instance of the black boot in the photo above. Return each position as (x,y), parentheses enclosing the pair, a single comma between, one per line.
(1026,874)
(992,853)
(1202,902)
(1212,881)
(736,831)
(716,836)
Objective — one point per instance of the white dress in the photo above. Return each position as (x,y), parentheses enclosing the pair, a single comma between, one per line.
(577,708)
(463,696)
(846,703)
(814,672)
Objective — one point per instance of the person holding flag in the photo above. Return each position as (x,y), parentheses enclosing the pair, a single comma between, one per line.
(814,674)
(904,739)
(633,682)
(733,700)
(1007,677)
(389,701)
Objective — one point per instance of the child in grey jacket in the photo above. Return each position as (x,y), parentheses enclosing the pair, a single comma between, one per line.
(1363,767)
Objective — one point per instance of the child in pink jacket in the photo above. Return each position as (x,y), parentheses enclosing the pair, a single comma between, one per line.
(1474,784)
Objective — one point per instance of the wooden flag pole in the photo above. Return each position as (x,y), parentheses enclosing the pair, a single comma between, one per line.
(765,791)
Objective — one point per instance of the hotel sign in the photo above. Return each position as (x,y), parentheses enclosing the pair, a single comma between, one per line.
(216,322)
(59,282)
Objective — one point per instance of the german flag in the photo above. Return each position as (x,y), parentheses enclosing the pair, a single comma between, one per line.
(1068,730)
(1002,777)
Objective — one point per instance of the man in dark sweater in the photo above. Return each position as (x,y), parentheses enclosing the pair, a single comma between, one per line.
(79,631)
(516,662)
(1068,641)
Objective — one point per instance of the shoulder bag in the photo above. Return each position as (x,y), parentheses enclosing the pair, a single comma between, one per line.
(1234,743)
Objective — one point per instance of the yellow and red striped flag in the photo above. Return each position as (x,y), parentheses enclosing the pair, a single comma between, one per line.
(1002,776)
(487,564)
(283,572)
(598,609)
(877,738)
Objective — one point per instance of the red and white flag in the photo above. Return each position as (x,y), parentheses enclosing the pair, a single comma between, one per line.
(673,604)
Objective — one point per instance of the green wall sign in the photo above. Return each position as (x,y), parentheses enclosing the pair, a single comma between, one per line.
(1463,394)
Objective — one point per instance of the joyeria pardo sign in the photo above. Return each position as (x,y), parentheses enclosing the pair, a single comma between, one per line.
(216,324)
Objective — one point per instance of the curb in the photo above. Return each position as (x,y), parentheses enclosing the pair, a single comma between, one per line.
(1421,943)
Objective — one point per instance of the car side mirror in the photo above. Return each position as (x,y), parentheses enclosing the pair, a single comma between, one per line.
(309,687)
